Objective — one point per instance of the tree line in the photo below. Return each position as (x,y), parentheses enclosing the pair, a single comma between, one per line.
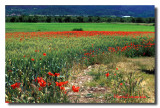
(78,19)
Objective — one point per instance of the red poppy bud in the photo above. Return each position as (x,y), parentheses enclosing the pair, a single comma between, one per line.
(75,89)
(44,54)
(107,74)
(121,83)
(32,59)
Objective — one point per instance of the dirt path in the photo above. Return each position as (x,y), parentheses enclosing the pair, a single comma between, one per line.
(86,93)
(96,94)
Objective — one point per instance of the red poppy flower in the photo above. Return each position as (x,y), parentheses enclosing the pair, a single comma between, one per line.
(32,59)
(9,70)
(107,74)
(41,82)
(49,84)
(7,102)
(24,56)
(75,89)
(57,74)
(121,83)
(44,54)
(65,82)
(59,84)
(115,74)
(56,83)
(16,85)
(116,68)
(40,88)
(36,50)
(34,80)
(62,88)
(38,79)
(144,53)
(51,74)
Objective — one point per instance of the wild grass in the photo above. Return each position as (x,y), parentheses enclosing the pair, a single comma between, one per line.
(124,86)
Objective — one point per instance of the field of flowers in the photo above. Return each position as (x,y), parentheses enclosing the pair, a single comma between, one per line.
(38,64)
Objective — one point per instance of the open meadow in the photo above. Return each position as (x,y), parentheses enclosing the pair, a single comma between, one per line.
(35,27)
(103,63)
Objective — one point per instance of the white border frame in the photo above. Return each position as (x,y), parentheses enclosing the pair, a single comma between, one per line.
(67,2)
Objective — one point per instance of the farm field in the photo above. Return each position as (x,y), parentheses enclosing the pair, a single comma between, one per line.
(34,27)
(105,63)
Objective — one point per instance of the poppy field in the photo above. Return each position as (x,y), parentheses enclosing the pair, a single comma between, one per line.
(58,67)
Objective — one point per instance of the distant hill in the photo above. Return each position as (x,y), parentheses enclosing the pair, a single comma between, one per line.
(84,10)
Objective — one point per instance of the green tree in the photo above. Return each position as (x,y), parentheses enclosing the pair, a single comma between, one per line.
(48,20)
(35,19)
(80,19)
(13,19)
(98,19)
(109,20)
(139,20)
(90,19)
(67,19)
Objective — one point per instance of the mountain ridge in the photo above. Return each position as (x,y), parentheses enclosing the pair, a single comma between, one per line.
(82,10)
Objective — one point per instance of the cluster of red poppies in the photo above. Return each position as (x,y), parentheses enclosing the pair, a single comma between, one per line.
(42,83)
(16,85)
(51,74)
(75,89)
(23,35)
(131,46)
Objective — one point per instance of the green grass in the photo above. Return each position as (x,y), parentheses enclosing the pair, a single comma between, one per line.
(33,27)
